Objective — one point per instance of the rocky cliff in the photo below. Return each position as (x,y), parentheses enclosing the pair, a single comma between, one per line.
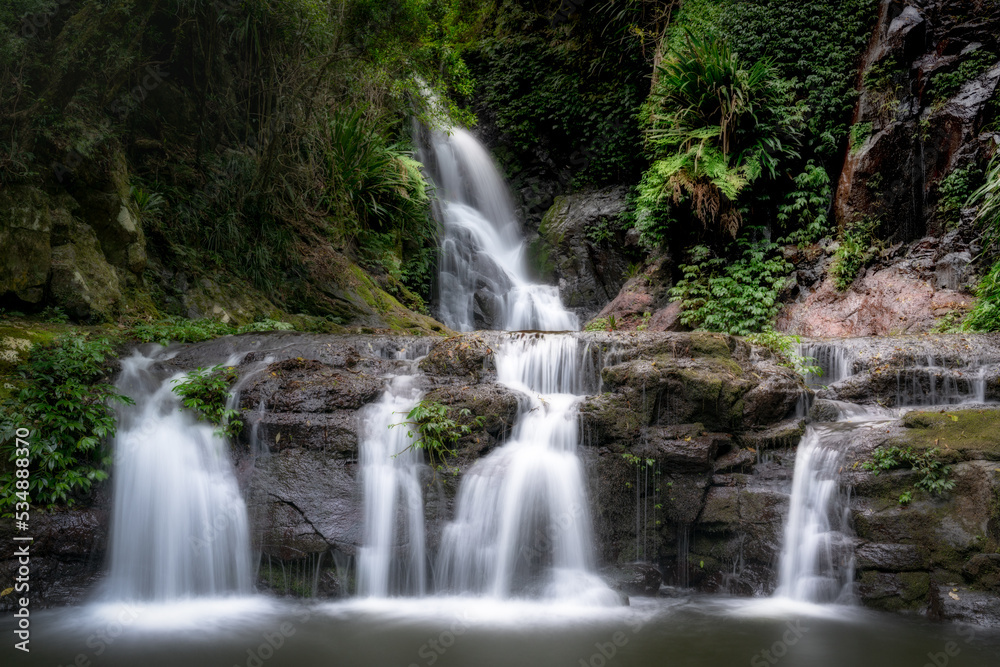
(689,441)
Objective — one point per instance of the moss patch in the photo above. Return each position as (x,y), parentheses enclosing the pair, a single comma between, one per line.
(960,435)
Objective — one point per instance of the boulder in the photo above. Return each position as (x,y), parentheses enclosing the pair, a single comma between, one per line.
(25,230)
(586,245)
(82,282)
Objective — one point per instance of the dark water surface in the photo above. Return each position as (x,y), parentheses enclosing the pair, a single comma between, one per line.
(453,632)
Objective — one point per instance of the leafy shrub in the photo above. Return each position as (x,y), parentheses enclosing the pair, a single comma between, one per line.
(954,191)
(785,348)
(732,296)
(66,402)
(714,124)
(934,472)
(181,330)
(555,89)
(946,85)
(205,392)
(985,316)
(816,42)
(857,247)
(435,431)
(859,135)
(805,211)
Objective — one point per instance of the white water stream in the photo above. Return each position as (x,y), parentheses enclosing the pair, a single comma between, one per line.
(179,527)
(483,278)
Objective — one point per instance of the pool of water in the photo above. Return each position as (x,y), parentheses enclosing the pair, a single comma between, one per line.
(472,632)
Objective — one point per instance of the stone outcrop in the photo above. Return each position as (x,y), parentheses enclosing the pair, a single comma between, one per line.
(688,439)
(937,553)
(76,254)
(587,248)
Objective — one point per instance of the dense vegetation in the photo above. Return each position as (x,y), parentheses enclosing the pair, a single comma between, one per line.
(62,415)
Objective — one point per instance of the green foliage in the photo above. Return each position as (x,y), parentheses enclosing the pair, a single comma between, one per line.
(566,87)
(181,330)
(205,392)
(857,246)
(229,168)
(66,403)
(815,42)
(144,203)
(954,191)
(714,125)
(934,472)
(985,316)
(381,198)
(785,348)
(436,432)
(609,323)
(859,135)
(946,85)
(805,210)
(54,315)
(638,461)
(882,81)
(732,296)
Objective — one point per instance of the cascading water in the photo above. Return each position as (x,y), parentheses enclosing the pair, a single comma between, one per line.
(817,562)
(522,525)
(483,278)
(392,560)
(179,527)
(817,557)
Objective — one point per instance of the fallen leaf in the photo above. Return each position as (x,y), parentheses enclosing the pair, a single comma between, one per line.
(953,596)
(6,591)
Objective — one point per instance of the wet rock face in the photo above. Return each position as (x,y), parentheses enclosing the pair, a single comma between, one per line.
(589,251)
(918,135)
(911,135)
(673,439)
(936,553)
(67,554)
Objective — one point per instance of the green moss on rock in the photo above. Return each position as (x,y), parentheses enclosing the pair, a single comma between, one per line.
(960,435)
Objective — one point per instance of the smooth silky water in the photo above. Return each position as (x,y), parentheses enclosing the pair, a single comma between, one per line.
(178,588)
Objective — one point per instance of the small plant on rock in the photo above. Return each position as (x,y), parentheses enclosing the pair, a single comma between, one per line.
(205,391)
(934,472)
(434,431)
(785,348)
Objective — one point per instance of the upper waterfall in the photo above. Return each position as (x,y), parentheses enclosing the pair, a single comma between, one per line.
(483,277)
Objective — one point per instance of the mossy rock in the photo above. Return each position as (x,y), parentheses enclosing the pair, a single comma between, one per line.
(959,435)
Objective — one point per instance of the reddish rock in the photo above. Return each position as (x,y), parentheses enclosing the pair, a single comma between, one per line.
(883,302)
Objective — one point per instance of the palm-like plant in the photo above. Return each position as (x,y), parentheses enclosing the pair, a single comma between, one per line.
(714,126)
(380,187)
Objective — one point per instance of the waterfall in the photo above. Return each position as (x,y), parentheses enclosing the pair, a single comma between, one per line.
(836,362)
(522,526)
(817,557)
(483,278)
(392,560)
(179,527)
